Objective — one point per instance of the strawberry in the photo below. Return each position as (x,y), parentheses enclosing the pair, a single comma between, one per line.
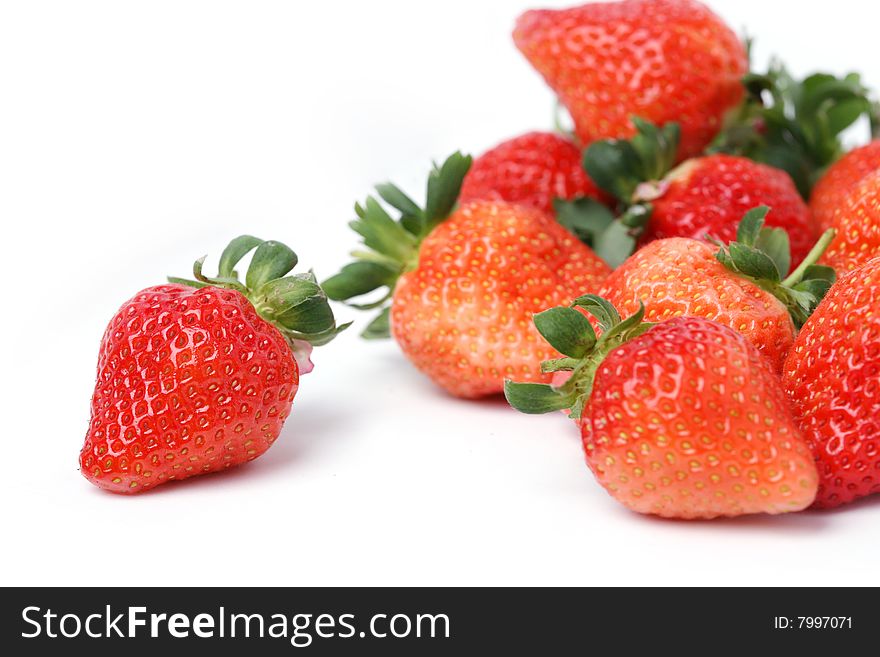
(847,199)
(832,377)
(682,419)
(199,376)
(463,283)
(534,169)
(742,285)
(664,60)
(709,195)
(704,196)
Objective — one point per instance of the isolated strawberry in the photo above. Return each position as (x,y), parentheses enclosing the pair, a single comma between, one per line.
(464,283)
(664,60)
(534,169)
(199,376)
(847,199)
(743,285)
(682,419)
(832,377)
(702,197)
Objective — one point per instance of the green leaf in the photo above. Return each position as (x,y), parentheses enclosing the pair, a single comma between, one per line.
(382,234)
(637,216)
(750,226)
(271,260)
(380,327)
(795,125)
(414,224)
(392,243)
(566,330)
(627,325)
(234,252)
(444,186)
(815,287)
(313,315)
(845,113)
(584,217)
(657,148)
(615,244)
(412,218)
(394,197)
(358,278)
(280,295)
(821,272)
(187,282)
(615,167)
(537,398)
(600,308)
(752,262)
(776,244)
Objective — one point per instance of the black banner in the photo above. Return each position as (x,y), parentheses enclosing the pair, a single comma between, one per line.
(434,621)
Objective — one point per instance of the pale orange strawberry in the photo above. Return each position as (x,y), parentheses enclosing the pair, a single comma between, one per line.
(742,285)
(463,315)
(464,283)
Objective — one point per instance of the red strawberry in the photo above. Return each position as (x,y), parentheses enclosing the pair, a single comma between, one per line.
(832,377)
(847,199)
(709,195)
(534,169)
(664,60)
(199,376)
(704,196)
(681,419)
(740,286)
(464,283)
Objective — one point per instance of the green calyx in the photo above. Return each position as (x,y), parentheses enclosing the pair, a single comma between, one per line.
(796,125)
(763,256)
(632,171)
(392,244)
(569,332)
(294,304)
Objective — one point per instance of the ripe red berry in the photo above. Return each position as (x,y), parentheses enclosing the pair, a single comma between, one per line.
(193,379)
(534,169)
(832,377)
(681,419)
(662,60)
(847,199)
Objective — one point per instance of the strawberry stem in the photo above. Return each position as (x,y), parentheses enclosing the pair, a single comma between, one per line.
(763,256)
(812,258)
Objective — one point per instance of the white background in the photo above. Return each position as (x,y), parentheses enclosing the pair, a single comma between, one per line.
(137,136)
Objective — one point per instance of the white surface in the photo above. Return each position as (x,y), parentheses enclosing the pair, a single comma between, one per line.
(135,137)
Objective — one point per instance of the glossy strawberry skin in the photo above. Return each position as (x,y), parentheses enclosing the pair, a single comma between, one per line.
(832,377)
(847,198)
(687,421)
(709,196)
(681,277)
(533,169)
(190,381)
(463,315)
(661,60)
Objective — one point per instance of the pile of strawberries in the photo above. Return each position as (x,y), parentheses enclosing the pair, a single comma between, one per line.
(692,275)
